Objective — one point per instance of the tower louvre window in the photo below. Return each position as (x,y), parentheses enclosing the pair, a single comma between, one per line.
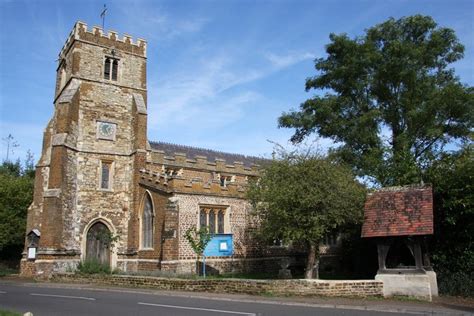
(110,68)
(114,69)
(107,69)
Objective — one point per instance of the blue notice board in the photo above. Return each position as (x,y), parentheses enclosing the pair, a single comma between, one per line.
(221,245)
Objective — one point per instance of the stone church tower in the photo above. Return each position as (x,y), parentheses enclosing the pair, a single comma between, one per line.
(87,176)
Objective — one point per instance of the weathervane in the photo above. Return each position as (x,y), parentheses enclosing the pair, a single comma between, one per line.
(102,15)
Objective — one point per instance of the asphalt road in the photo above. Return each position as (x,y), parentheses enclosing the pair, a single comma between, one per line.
(46,300)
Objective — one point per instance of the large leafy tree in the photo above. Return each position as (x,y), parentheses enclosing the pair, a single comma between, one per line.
(300,198)
(16,194)
(390,99)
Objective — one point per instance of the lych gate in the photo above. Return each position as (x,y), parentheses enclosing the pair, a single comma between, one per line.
(399,218)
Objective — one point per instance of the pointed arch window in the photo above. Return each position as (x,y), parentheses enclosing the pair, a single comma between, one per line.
(147,223)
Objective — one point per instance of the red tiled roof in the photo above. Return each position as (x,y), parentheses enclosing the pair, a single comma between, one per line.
(399,211)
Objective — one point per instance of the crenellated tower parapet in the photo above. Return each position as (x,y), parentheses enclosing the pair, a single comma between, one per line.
(106,58)
(96,35)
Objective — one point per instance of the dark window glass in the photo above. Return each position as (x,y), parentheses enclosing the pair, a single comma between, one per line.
(105,179)
(147,225)
(220,222)
(107,68)
(212,222)
(114,69)
(202,218)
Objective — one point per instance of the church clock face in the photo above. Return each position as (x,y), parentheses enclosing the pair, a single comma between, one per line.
(106,130)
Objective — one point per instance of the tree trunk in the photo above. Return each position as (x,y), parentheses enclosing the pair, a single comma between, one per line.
(310,262)
(316,265)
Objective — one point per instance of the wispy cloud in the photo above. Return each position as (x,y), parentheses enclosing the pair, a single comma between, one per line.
(160,25)
(204,91)
(283,61)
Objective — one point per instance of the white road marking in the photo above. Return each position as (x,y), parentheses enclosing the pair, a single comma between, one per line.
(2,292)
(198,309)
(65,296)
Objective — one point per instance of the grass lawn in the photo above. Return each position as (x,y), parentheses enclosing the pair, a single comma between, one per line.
(7,313)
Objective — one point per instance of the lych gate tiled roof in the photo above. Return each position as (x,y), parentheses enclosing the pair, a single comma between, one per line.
(399,211)
(211,155)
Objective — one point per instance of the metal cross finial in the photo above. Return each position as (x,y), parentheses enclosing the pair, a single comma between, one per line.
(102,15)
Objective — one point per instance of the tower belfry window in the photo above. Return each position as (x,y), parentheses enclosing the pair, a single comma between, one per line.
(114,69)
(110,68)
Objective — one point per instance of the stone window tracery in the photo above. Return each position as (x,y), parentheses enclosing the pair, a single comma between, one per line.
(214,218)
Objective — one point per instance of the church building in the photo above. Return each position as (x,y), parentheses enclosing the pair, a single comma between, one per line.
(103,191)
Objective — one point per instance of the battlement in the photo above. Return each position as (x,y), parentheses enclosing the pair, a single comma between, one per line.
(173,181)
(204,159)
(97,36)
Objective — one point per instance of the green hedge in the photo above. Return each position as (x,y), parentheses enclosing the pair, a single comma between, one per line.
(456,283)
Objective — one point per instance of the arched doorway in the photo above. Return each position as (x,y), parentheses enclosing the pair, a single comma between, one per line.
(98,243)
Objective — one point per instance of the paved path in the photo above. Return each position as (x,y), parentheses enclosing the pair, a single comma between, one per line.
(67,299)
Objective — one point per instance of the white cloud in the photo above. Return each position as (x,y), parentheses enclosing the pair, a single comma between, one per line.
(203,89)
(283,61)
(160,25)
(201,92)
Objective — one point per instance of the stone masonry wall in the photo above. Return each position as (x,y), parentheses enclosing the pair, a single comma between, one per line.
(351,288)
(237,217)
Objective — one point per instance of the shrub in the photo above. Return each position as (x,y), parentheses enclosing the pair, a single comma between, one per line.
(6,270)
(91,266)
(458,283)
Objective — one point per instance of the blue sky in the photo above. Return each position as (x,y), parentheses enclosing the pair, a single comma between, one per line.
(220,73)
